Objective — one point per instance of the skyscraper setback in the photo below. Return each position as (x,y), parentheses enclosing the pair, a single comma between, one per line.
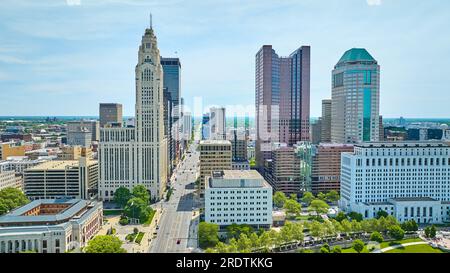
(132,156)
(355,98)
(282,99)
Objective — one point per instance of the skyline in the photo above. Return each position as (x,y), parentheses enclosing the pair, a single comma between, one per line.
(47,51)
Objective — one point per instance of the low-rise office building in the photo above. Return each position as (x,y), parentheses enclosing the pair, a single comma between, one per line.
(215,155)
(409,180)
(9,179)
(50,226)
(62,179)
(240,197)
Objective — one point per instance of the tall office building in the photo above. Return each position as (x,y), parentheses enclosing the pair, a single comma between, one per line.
(186,128)
(215,155)
(355,98)
(168,132)
(217,123)
(326,122)
(133,156)
(205,127)
(282,86)
(110,113)
(92,126)
(172,83)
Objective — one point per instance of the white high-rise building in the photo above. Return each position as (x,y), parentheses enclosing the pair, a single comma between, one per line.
(217,123)
(355,102)
(135,156)
(409,180)
(186,126)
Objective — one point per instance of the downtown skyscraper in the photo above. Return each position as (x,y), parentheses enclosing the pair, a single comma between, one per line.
(355,98)
(282,99)
(134,156)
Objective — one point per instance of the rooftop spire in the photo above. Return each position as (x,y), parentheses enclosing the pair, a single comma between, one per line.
(151,23)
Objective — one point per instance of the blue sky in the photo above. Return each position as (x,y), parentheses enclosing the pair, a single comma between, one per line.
(63,57)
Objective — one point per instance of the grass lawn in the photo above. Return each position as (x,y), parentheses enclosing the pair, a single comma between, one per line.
(392,243)
(139,237)
(150,218)
(112,212)
(131,237)
(416,249)
(351,250)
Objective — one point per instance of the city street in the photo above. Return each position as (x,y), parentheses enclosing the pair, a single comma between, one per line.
(176,231)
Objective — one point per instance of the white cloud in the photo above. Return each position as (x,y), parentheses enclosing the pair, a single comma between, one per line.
(374,2)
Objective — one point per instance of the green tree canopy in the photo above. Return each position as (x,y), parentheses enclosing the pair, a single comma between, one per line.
(140,191)
(235,230)
(121,196)
(307,197)
(11,198)
(376,237)
(358,246)
(321,196)
(396,232)
(279,198)
(291,206)
(137,208)
(332,196)
(410,225)
(104,244)
(430,232)
(208,235)
(381,213)
(341,216)
(355,216)
(318,206)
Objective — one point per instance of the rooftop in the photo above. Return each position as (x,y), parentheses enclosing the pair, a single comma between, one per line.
(356,55)
(403,144)
(413,199)
(215,142)
(241,174)
(56,211)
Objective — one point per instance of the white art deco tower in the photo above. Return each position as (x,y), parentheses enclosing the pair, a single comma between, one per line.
(133,156)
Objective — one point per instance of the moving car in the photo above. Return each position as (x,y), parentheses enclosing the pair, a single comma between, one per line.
(178,241)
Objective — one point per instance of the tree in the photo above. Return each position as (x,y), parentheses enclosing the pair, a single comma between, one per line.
(332,196)
(235,230)
(410,225)
(376,237)
(138,209)
(321,196)
(325,249)
(208,235)
(396,232)
(140,191)
(381,213)
(291,206)
(355,216)
(244,244)
(318,206)
(104,244)
(340,216)
(316,229)
(279,198)
(307,197)
(11,198)
(336,249)
(121,196)
(293,196)
(430,232)
(358,246)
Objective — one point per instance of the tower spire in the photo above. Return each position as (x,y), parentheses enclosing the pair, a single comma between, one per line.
(151,23)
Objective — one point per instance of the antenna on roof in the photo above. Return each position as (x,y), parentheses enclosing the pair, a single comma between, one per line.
(151,23)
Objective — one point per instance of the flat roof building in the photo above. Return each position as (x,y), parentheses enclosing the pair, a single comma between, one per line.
(50,226)
(239,197)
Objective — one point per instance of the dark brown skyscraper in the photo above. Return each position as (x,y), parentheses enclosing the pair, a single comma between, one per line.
(282,86)
(110,113)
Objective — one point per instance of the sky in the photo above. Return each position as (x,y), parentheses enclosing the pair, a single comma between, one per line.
(64,57)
